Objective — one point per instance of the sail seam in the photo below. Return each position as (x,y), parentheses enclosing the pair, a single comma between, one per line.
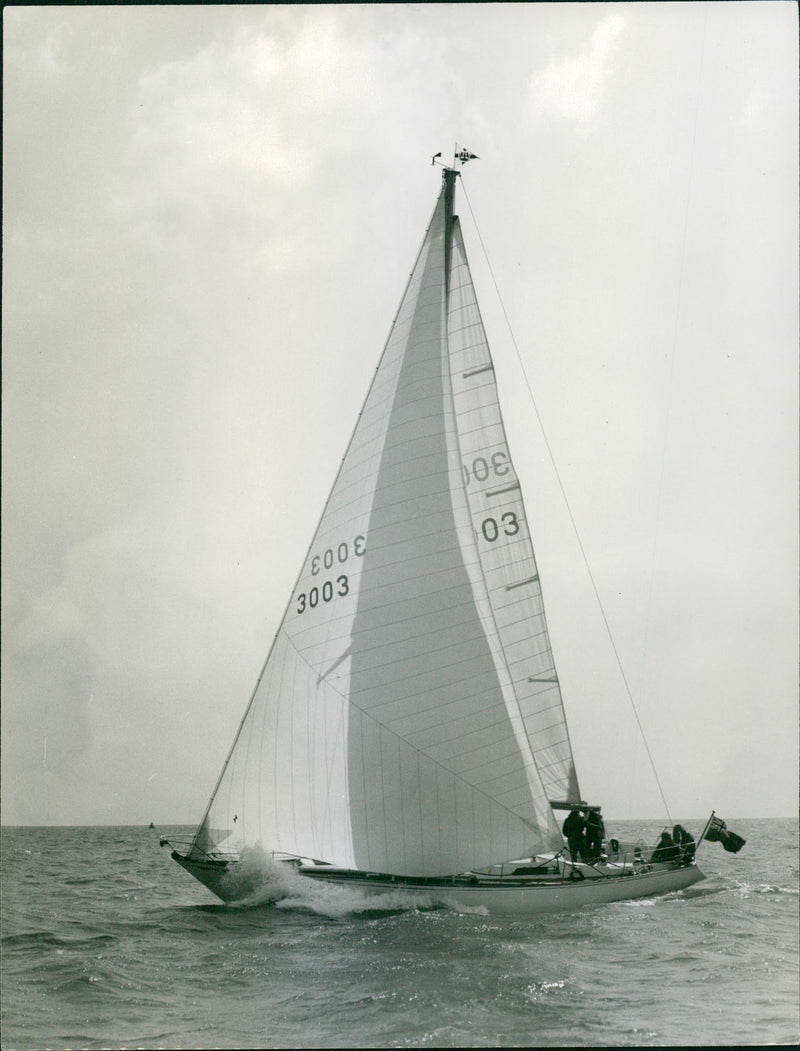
(421,675)
(472,732)
(508,622)
(368,715)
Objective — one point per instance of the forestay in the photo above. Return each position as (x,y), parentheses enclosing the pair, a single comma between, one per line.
(408,719)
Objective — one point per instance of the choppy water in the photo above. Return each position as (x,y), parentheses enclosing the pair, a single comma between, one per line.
(107,943)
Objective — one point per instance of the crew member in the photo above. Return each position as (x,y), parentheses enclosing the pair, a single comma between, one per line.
(685,841)
(666,849)
(595,830)
(574,829)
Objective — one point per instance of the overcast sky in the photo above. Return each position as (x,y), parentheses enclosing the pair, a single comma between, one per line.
(209,217)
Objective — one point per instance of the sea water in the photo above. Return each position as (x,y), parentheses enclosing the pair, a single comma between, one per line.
(106,943)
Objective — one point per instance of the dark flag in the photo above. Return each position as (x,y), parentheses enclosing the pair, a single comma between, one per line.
(465,155)
(718,832)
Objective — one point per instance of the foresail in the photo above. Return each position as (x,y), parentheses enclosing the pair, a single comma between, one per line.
(386,731)
(500,525)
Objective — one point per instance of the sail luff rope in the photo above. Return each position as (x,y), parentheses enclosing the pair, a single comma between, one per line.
(569,510)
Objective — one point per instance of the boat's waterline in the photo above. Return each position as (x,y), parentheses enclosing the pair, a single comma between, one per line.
(500,896)
(535,898)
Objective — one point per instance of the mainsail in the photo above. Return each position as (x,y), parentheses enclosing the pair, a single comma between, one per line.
(408,718)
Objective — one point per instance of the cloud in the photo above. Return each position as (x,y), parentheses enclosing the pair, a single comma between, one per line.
(572,87)
(195,201)
(160,207)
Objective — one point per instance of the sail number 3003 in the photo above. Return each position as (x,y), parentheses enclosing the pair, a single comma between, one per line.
(324,593)
(331,589)
(338,554)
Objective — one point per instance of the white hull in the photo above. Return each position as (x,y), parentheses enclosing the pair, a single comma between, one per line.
(509,897)
(538,898)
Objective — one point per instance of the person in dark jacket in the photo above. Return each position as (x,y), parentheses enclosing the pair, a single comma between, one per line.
(684,840)
(574,829)
(595,830)
(666,849)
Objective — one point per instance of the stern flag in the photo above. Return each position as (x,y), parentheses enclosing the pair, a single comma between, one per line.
(718,832)
(465,155)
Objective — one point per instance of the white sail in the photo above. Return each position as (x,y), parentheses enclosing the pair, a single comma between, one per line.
(500,525)
(408,718)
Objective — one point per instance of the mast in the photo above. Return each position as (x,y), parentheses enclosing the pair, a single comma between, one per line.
(449,179)
(449,175)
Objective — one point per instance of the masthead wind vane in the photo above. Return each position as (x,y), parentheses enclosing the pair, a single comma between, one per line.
(459,156)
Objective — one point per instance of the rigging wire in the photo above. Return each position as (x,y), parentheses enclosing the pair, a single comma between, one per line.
(569,510)
(674,343)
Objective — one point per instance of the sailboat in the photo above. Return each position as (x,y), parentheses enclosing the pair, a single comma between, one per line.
(407,733)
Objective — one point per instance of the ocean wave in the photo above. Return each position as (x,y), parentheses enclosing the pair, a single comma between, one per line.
(304,963)
(260,881)
(745,888)
(38,939)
